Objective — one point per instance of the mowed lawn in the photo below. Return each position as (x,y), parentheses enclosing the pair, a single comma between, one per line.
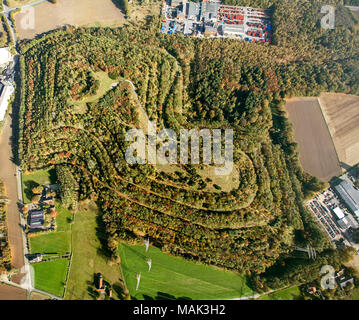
(33,179)
(285,294)
(51,276)
(174,277)
(87,257)
(55,242)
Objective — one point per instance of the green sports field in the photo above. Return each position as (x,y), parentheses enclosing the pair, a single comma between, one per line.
(175,278)
(51,276)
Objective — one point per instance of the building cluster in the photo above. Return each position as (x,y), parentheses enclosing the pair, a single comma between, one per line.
(6,80)
(103,287)
(349,195)
(341,279)
(345,221)
(333,214)
(210,18)
(36,216)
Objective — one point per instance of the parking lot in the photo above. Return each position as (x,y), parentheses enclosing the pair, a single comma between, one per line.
(323,206)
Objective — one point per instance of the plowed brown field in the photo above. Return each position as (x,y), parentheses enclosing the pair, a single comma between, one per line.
(341,112)
(316,148)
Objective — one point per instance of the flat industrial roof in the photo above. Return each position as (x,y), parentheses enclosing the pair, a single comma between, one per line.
(339,213)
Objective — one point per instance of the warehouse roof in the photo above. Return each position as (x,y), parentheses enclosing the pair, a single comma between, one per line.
(193,9)
(339,213)
(349,195)
(5,56)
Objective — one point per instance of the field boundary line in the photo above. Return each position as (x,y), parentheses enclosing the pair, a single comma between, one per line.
(70,260)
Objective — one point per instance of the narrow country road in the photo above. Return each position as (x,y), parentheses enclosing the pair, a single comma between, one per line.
(6,13)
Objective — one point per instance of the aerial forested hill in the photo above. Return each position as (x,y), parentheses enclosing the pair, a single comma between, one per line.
(72,119)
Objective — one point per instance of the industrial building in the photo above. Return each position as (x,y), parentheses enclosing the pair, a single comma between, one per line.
(349,195)
(193,10)
(347,222)
(339,213)
(228,30)
(5,57)
(209,11)
(213,19)
(5,93)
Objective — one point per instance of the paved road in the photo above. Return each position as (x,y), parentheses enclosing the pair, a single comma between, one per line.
(8,10)
(7,16)
(353,8)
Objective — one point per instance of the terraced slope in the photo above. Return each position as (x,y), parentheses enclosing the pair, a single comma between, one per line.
(72,117)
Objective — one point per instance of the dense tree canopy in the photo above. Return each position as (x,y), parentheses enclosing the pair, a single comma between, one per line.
(186,83)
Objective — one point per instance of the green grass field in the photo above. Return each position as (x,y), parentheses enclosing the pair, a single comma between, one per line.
(31,180)
(105,85)
(174,278)
(51,276)
(88,259)
(285,294)
(55,242)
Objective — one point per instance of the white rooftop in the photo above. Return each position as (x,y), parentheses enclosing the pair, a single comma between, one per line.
(4,100)
(5,56)
(339,213)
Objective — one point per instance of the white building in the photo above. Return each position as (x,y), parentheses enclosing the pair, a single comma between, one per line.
(339,213)
(5,94)
(5,56)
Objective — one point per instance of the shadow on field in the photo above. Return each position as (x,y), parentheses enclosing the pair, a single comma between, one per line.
(102,236)
(119,5)
(29,185)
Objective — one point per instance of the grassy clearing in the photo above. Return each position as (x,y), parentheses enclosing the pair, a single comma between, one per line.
(285,294)
(58,242)
(175,278)
(51,276)
(105,85)
(140,12)
(88,258)
(33,179)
